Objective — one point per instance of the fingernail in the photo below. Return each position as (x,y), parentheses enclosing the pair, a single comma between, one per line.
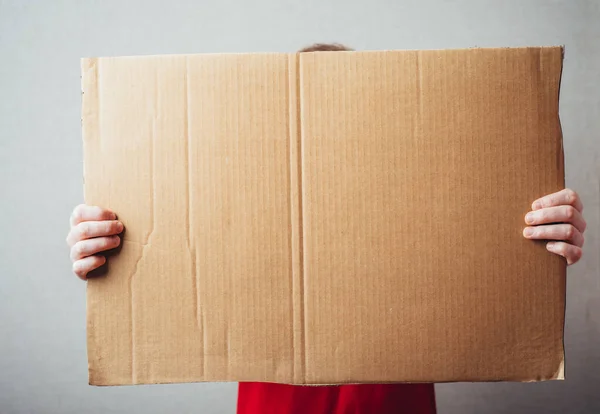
(528,232)
(113,216)
(119,226)
(537,205)
(550,245)
(529,218)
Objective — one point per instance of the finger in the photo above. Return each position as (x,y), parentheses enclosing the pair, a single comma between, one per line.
(563,232)
(560,214)
(90,229)
(83,266)
(566,250)
(85,248)
(562,197)
(84,212)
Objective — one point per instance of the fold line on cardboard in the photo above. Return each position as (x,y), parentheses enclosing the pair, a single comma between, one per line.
(419,89)
(146,242)
(190,242)
(301,229)
(296,219)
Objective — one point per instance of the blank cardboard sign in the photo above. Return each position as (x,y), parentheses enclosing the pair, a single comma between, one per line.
(324,218)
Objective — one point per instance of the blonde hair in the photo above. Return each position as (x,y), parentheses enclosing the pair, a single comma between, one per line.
(325,47)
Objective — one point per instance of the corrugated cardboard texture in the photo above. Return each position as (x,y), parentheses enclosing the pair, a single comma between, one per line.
(322,218)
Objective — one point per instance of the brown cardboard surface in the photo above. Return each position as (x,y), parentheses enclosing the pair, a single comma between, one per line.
(322,218)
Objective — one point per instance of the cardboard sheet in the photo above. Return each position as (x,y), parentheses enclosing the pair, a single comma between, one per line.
(321,218)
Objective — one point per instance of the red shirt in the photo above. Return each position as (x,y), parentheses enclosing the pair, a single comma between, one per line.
(268,398)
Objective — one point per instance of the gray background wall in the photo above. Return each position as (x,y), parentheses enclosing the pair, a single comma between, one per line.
(43,367)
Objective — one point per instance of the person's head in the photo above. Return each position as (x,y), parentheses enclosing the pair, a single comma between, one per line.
(325,47)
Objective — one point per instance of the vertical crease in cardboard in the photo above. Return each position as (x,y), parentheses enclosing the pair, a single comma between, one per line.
(418,124)
(301,211)
(190,241)
(296,218)
(148,237)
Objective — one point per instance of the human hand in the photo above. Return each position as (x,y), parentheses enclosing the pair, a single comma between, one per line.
(93,231)
(558,218)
